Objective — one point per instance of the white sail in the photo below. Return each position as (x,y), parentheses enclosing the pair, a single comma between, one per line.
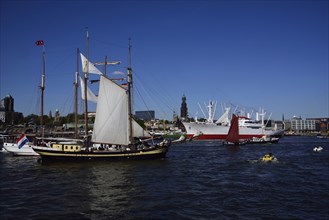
(111,122)
(91,67)
(138,131)
(224,120)
(90,95)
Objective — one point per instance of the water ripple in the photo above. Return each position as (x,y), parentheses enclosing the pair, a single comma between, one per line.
(198,180)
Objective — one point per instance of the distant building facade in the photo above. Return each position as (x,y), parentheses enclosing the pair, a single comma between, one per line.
(321,124)
(299,124)
(7,113)
(309,124)
(145,115)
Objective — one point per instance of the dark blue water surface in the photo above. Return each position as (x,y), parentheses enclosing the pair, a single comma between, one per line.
(197,180)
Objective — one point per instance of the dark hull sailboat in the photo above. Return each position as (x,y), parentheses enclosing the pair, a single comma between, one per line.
(75,153)
(108,142)
(233,137)
(114,133)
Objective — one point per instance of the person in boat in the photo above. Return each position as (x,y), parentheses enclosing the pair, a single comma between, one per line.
(146,144)
(268,157)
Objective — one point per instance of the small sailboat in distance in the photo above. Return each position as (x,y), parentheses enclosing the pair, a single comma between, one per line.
(233,137)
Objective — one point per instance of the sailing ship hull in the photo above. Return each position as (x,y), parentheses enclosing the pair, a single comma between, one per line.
(214,131)
(49,154)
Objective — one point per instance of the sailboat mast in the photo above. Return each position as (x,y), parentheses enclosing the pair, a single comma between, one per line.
(76,85)
(129,69)
(85,88)
(105,64)
(43,79)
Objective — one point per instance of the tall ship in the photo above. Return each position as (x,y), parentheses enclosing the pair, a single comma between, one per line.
(115,136)
(211,129)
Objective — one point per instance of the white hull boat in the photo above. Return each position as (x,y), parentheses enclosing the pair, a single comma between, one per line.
(214,131)
(26,150)
(248,128)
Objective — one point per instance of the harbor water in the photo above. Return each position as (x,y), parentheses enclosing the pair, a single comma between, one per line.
(197,180)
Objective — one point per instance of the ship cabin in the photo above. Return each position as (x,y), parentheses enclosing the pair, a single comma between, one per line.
(66,147)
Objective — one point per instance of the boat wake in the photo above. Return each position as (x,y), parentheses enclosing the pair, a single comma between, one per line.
(260,161)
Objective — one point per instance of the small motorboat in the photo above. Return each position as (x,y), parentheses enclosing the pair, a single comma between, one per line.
(268,158)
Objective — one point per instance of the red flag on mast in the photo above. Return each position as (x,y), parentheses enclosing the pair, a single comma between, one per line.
(39,43)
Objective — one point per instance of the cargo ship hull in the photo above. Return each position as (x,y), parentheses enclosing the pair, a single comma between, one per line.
(215,131)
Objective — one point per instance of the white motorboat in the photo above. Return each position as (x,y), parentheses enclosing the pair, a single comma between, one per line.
(11,145)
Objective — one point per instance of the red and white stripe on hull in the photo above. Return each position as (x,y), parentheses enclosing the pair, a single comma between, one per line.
(220,136)
(214,131)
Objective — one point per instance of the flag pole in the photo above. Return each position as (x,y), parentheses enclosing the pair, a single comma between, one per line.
(76,85)
(43,82)
(85,89)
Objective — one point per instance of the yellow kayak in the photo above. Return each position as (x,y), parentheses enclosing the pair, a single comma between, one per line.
(268,157)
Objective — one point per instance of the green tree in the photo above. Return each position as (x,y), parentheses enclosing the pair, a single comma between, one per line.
(140,122)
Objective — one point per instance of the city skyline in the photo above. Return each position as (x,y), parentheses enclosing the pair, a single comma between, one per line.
(251,54)
(151,113)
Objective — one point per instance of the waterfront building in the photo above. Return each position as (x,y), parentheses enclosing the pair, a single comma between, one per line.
(279,125)
(287,125)
(321,124)
(7,113)
(298,124)
(145,115)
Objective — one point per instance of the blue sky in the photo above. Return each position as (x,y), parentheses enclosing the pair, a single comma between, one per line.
(270,54)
